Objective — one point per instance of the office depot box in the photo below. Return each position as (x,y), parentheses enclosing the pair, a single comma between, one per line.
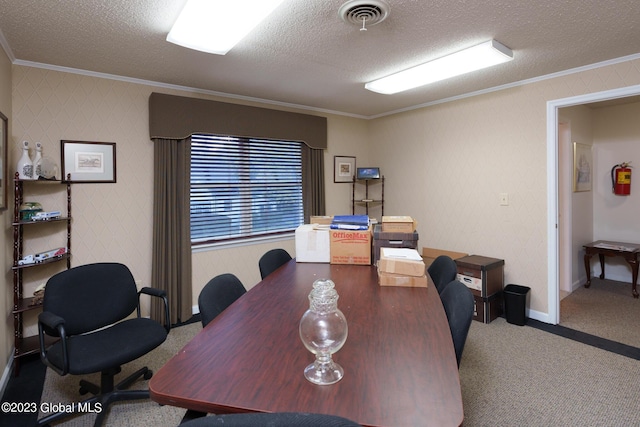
(398,224)
(322,220)
(486,309)
(312,243)
(392,239)
(483,275)
(407,262)
(350,246)
(430,254)
(390,279)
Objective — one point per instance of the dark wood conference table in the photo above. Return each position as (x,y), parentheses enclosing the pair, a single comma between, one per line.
(399,363)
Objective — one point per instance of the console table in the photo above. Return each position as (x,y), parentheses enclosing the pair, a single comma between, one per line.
(629,251)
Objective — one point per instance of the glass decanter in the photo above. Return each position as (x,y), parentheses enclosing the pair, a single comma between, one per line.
(323,330)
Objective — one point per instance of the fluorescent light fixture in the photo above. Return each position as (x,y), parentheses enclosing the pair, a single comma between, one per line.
(474,58)
(215,26)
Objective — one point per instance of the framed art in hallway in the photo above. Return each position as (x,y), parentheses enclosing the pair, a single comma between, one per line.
(89,162)
(582,167)
(4,129)
(344,167)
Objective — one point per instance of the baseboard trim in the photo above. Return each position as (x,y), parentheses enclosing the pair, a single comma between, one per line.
(588,339)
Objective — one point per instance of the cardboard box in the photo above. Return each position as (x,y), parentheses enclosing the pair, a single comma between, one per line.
(486,309)
(483,275)
(399,224)
(390,279)
(407,262)
(429,254)
(350,246)
(387,239)
(322,220)
(312,243)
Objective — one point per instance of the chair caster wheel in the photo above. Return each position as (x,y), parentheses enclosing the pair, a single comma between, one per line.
(83,391)
(147,375)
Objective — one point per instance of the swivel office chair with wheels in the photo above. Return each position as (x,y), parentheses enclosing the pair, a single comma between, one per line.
(458,303)
(272,260)
(85,309)
(443,270)
(217,295)
(274,419)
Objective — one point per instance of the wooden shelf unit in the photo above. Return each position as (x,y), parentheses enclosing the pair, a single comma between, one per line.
(367,202)
(22,304)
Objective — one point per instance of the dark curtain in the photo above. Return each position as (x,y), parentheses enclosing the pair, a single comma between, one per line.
(171,258)
(312,182)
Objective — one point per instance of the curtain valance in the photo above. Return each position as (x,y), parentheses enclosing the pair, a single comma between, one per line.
(177,117)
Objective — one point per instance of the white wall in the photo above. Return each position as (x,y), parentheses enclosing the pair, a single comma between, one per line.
(616,134)
(578,206)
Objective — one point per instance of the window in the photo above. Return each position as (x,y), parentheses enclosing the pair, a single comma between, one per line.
(242,187)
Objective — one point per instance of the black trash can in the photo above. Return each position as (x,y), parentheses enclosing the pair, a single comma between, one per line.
(515,304)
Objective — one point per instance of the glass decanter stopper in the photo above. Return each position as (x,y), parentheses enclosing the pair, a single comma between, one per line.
(323,330)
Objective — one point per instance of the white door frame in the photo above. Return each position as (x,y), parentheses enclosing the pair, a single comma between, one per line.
(553,235)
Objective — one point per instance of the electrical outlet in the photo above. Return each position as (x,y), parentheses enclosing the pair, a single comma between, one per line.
(504,199)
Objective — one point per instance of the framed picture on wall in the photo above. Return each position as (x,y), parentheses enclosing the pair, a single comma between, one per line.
(582,167)
(89,162)
(344,167)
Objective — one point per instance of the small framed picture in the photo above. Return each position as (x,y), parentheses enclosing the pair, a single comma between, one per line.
(582,167)
(344,167)
(89,162)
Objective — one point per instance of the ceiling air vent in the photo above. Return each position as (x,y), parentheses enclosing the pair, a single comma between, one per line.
(364,12)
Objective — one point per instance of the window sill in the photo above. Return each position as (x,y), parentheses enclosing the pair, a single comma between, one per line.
(241,242)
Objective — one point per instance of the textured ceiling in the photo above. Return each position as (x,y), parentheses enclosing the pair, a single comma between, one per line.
(305,55)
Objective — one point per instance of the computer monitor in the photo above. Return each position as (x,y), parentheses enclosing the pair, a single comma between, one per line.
(367,173)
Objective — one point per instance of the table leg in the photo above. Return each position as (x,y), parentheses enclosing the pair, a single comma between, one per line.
(601,265)
(634,274)
(587,267)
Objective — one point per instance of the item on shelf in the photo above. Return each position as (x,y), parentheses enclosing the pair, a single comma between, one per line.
(38,295)
(25,165)
(368,173)
(29,209)
(53,253)
(43,216)
(48,168)
(28,259)
(37,160)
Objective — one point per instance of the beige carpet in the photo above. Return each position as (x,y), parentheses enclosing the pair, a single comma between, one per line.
(140,413)
(521,376)
(606,309)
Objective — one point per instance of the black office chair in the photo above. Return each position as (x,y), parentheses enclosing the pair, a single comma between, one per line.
(85,307)
(458,303)
(217,295)
(272,260)
(275,419)
(443,270)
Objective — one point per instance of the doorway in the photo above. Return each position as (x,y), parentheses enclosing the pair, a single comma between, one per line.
(559,225)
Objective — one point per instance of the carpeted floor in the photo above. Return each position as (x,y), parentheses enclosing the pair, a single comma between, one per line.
(605,309)
(523,376)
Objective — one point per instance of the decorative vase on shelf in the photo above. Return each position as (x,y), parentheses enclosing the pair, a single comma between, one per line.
(323,330)
(25,165)
(37,161)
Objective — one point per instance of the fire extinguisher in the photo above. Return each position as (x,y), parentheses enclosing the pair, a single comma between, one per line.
(621,179)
